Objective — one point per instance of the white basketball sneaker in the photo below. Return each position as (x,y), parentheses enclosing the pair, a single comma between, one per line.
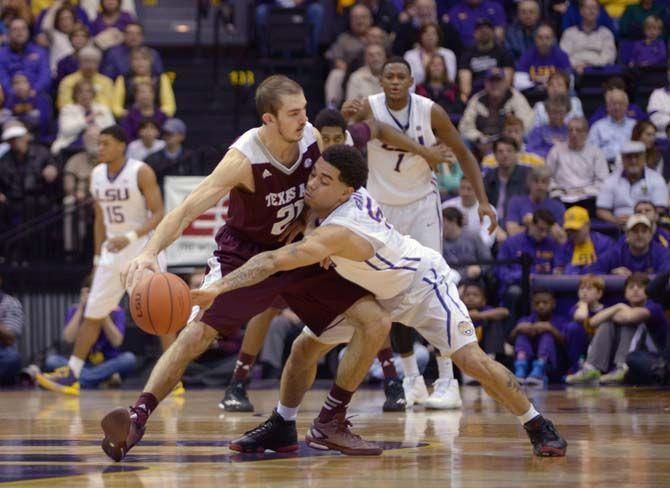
(445,396)
(415,390)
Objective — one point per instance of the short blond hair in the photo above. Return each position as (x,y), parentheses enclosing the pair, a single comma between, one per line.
(270,91)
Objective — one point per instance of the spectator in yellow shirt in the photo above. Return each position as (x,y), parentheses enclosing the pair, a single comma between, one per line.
(89,65)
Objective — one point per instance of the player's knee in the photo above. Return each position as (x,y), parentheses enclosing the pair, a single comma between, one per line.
(377,326)
(305,350)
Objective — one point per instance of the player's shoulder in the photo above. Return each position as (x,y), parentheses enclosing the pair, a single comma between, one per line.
(99,170)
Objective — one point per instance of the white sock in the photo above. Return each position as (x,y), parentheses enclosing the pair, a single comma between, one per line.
(445,367)
(409,365)
(287,413)
(76,365)
(529,415)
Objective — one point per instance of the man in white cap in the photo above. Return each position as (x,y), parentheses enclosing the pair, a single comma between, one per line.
(637,253)
(625,187)
(26,169)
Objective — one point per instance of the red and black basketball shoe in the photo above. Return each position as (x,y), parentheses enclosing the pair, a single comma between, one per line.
(275,434)
(546,440)
(121,433)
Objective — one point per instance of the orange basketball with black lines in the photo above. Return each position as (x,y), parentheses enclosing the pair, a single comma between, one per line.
(160,303)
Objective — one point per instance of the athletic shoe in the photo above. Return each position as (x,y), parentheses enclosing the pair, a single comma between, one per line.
(445,396)
(235,399)
(335,435)
(178,390)
(121,433)
(614,377)
(62,380)
(521,369)
(275,434)
(584,375)
(415,390)
(545,438)
(536,376)
(395,395)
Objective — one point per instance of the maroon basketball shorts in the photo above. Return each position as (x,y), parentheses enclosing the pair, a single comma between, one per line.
(316,295)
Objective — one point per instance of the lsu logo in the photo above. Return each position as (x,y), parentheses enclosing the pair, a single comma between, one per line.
(466,328)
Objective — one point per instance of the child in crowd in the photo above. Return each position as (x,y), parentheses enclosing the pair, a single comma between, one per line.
(486,319)
(650,51)
(539,341)
(147,143)
(590,292)
(33,109)
(622,328)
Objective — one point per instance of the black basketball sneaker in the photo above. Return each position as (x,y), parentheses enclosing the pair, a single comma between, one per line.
(545,438)
(395,395)
(275,434)
(235,398)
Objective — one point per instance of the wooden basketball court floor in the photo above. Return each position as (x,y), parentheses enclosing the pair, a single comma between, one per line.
(617,437)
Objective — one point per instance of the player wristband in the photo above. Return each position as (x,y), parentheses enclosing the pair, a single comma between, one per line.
(96,260)
(131,236)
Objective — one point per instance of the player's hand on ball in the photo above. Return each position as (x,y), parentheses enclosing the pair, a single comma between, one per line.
(485,210)
(116,244)
(136,269)
(204,297)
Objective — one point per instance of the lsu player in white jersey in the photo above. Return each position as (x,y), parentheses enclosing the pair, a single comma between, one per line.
(409,280)
(405,187)
(128,206)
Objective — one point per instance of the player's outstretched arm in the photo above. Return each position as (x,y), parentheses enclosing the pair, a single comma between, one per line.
(395,138)
(317,246)
(233,170)
(447,133)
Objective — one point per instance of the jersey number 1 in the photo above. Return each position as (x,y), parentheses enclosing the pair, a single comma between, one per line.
(401,156)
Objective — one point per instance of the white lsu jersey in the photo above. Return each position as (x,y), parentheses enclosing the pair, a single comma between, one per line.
(122,203)
(393,268)
(397,177)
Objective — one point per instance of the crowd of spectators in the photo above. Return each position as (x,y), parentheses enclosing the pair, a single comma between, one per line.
(69,69)
(579,179)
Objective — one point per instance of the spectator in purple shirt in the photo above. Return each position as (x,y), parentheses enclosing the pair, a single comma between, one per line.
(521,207)
(105,359)
(638,253)
(31,108)
(542,138)
(539,246)
(581,246)
(650,51)
(143,109)
(22,55)
(464,15)
(117,59)
(539,62)
(638,324)
(540,341)
(110,23)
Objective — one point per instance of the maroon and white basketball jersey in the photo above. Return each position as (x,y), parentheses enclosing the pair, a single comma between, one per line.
(278,198)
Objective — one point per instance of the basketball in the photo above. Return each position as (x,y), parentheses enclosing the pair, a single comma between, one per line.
(160,303)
